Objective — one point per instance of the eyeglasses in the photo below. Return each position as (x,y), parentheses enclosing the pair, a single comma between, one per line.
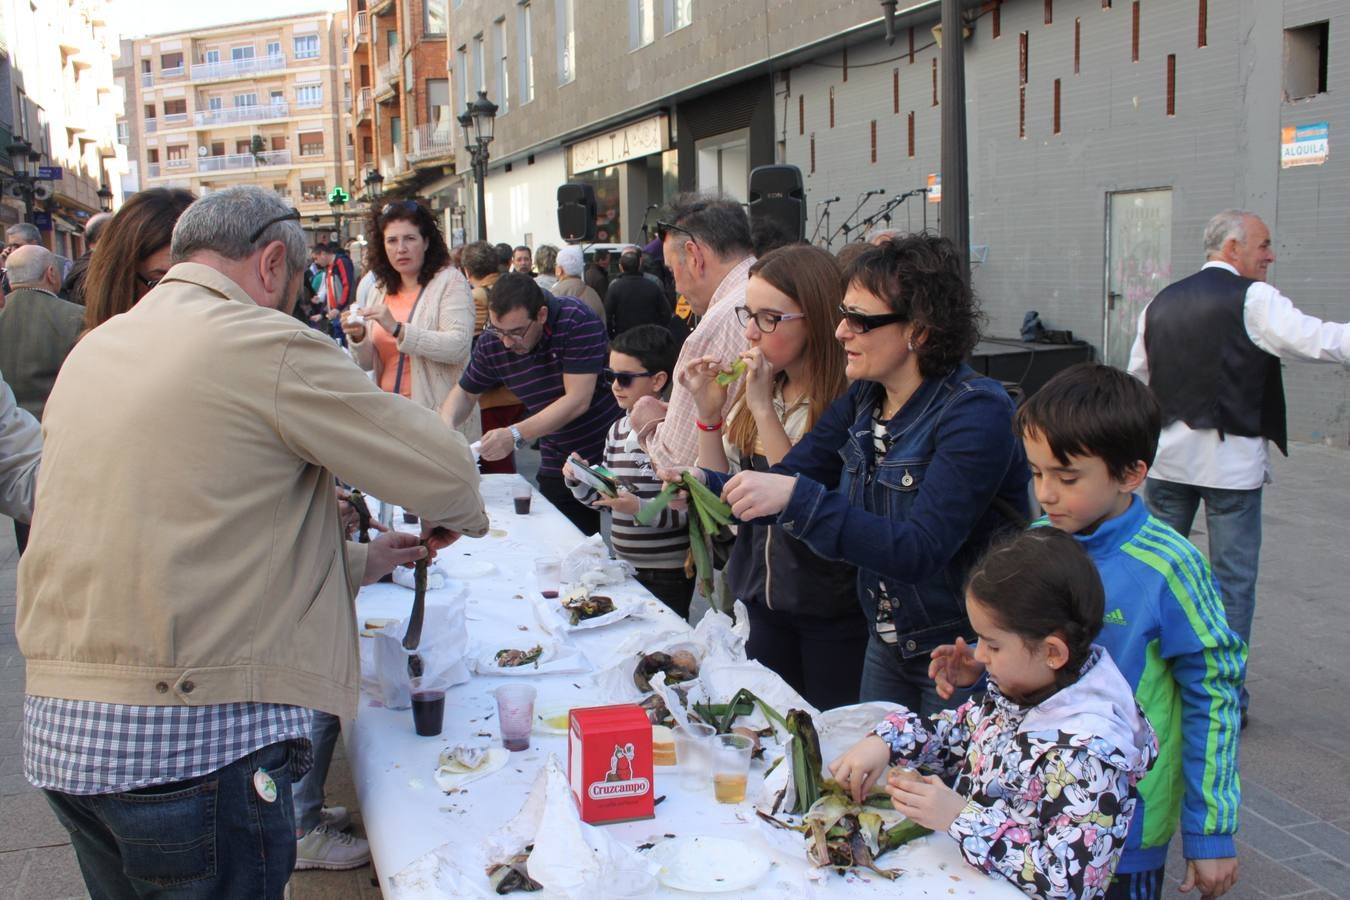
(624,379)
(292,216)
(148,282)
(664,228)
(858,323)
(515,334)
(406,206)
(766,322)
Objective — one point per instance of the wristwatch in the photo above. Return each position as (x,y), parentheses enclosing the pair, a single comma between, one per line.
(516,436)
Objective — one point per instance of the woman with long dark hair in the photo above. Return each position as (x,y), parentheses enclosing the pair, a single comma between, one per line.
(132,255)
(416,329)
(804,618)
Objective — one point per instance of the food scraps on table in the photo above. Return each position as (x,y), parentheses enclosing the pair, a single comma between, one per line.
(587,607)
(509,658)
(678,667)
(511,876)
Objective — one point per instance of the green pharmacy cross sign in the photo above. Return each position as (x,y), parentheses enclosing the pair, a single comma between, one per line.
(337,196)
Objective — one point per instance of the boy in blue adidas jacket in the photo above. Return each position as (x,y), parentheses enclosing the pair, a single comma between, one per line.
(1090,435)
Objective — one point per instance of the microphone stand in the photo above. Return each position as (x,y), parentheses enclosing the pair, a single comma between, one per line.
(848,226)
(825,217)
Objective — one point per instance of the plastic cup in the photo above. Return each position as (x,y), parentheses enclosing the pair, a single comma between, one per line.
(521,492)
(428,708)
(548,575)
(693,749)
(731,767)
(515,715)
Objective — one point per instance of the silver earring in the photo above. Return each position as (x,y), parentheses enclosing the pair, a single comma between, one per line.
(911,346)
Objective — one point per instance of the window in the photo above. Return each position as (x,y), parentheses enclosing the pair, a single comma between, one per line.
(307,46)
(503,68)
(243,100)
(211,57)
(175,108)
(1305,61)
(217,148)
(641,23)
(391,43)
(433,17)
(311,143)
(462,75)
(525,29)
(679,13)
(215,103)
(313,189)
(567,44)
(279,142)
(243,146)
(274,48)
(396,131)
(152,155)
(277,98)
(479,75)
(238,53)
(176,151)
(439,112)
(149,110)
(308,96)
(169,61)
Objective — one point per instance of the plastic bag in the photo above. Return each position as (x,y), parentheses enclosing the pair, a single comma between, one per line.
(444,651)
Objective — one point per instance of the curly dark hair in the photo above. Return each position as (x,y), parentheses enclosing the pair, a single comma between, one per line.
(919,277)
(437,256)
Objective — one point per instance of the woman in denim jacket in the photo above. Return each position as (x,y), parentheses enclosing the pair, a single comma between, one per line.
(910,474)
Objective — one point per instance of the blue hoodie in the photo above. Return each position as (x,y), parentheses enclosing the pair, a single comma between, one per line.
(1165,628)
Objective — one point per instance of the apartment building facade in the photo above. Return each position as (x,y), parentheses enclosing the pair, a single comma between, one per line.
(404,121)
(57,95)
(266,102)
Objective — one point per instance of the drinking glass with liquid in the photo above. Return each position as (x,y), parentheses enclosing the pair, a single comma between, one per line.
(731,767)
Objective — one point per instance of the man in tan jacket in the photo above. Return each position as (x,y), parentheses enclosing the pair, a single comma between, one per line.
(186,599)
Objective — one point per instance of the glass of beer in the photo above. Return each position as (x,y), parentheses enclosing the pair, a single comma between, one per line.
(731,767)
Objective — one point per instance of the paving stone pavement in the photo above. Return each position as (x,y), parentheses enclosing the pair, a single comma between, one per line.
(1294,838)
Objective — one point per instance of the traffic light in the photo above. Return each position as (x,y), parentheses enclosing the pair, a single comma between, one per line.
(337,196)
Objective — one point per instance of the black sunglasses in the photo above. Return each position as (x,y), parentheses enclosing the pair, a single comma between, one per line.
(664,228)
(293,215)
(625,379)
(858,323)
(398,206)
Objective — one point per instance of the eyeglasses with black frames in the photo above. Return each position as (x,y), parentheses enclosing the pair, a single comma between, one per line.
(664,228)
(623,379)
(860,323)
(513,334)
(764,320)
(148,282)
(293,215)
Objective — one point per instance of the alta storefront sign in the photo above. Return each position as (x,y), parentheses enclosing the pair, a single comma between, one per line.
(632,141)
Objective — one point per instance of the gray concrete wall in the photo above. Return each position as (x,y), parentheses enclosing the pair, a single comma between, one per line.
(1039,202)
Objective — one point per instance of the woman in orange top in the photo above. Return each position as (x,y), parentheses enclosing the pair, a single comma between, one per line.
(416,329)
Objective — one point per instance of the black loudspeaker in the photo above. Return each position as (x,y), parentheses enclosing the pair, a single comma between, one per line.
(576,212)
(778,202)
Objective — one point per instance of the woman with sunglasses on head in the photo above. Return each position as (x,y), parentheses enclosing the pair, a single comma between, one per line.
(911,473)
(415,331)
(804,618)
(133,253)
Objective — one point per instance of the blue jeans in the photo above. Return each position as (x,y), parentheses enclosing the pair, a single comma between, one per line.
(1233,519)
(308,792)
(206,837)
(889,677)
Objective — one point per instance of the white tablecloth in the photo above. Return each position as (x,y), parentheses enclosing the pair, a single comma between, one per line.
(407,816)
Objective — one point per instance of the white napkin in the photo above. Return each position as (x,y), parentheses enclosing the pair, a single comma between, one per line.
(406,578)
(449,781)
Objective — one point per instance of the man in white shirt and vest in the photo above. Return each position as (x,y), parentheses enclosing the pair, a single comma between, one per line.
(1210,346)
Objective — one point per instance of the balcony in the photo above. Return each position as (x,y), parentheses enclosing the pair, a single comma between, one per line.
(389,70)
(359,32)
(363,104)
(233,115)
(309,103)
(394,164)
(172,120)
(147,79)
(381,7)
(180,163)
(152,170)
(151,126)
(238,68)
(430,141)
(244,161)
(170,74)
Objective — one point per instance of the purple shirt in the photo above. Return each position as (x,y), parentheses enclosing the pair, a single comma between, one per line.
(573,343)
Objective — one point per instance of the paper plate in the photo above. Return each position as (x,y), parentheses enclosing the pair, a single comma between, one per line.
(710,865)
(487,660)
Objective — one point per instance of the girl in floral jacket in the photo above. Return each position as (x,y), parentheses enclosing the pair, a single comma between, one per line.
(1042,768)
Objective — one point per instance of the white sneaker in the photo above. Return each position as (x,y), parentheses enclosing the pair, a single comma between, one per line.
(335,817)
(324,848)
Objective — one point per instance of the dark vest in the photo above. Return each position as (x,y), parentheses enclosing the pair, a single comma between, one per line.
(1203,366)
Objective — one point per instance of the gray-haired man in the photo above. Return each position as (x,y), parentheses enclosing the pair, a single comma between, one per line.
(186,599)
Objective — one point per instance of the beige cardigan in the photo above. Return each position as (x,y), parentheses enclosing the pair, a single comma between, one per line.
(438,341)
(187,549)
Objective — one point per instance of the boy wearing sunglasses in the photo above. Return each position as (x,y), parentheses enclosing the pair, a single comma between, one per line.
(640,364)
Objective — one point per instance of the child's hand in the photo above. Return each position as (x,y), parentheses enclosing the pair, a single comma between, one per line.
(567,471)
(926,800)
(858,769)
(954,666)
(1214,877)
(626,503)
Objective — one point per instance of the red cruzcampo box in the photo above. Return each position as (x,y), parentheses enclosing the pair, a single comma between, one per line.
(609,763)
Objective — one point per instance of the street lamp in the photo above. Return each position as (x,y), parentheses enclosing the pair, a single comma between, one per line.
(105,197)
(477,122)
(374,183)
(24,161)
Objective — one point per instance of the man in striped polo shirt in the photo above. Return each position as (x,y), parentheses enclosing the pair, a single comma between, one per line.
(550,352)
